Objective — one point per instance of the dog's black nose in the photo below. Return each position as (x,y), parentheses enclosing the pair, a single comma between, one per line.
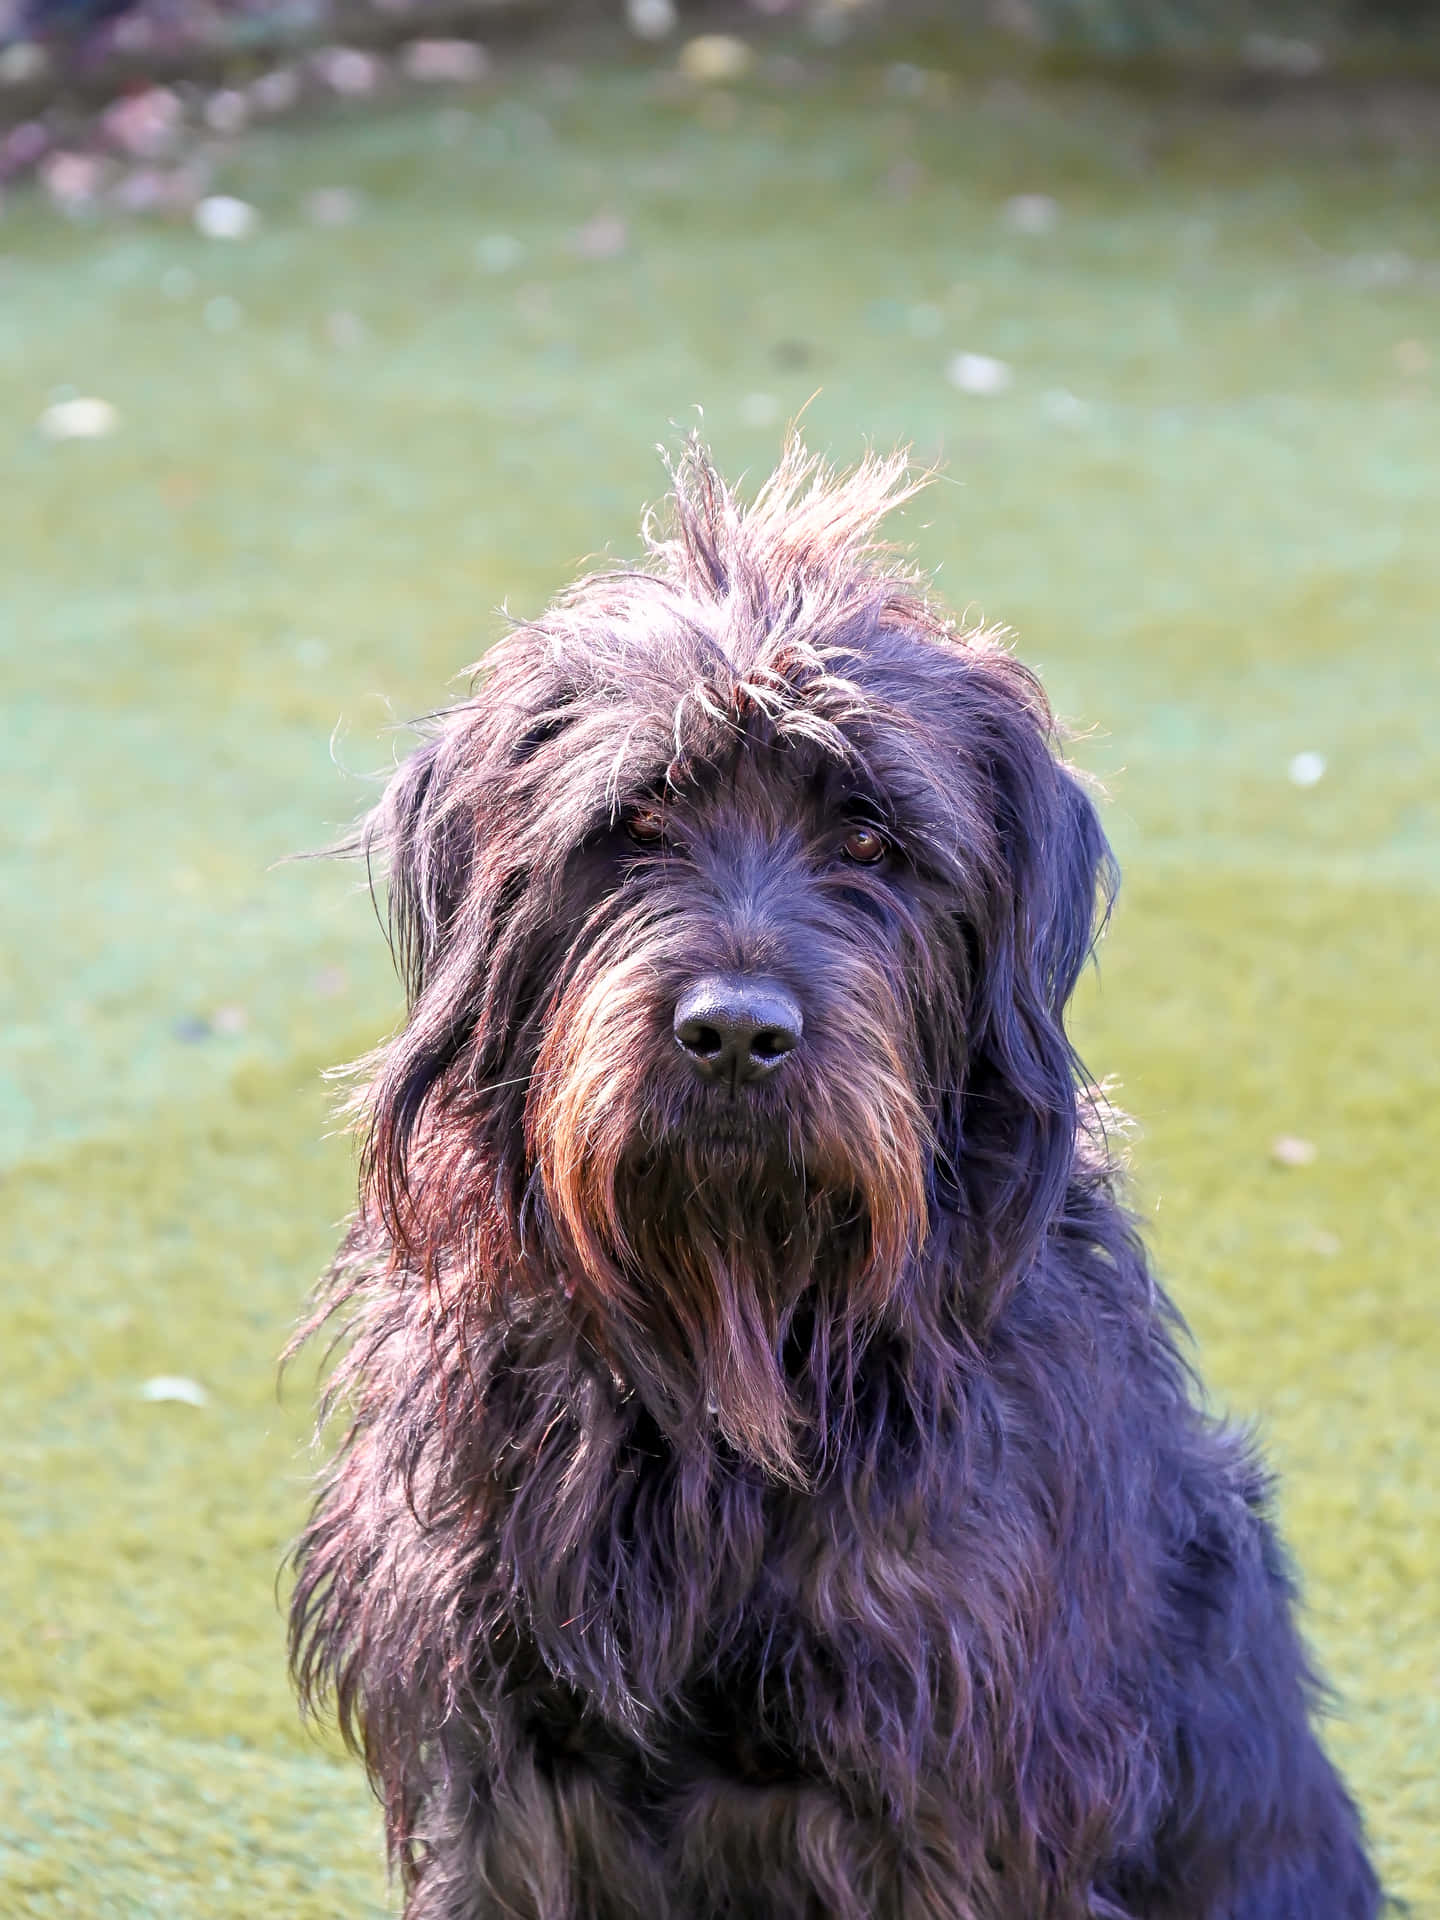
(735,1028)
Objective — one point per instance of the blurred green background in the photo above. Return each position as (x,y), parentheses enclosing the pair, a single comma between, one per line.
(1202,486)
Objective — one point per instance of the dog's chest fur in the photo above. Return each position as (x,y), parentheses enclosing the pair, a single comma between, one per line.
(689,1617)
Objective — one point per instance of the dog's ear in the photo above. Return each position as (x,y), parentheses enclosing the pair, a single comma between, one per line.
(1065,884)
(422,834)
(419,832)
(1051,881)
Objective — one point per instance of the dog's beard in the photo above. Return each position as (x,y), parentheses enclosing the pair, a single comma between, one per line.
(735,1253)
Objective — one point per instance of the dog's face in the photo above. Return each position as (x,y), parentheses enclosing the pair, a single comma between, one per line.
(738,929)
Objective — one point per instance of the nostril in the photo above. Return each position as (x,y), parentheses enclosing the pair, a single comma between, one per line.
(705,1042)
(773,1043)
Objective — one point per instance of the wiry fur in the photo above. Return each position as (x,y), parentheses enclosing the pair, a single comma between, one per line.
(791,1504)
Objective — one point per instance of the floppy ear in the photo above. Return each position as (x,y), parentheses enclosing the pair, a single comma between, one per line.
(422,832)
(417,832)
(1014,1129)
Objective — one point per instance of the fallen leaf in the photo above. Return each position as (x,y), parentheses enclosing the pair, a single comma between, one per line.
(714,58)
(144,125)
(347,71)
(23,145)
(1411,357)
(444,62)
(274,92)
(331,206)
(904,179)
(227,112)
(157,190)
(603,238)
(73,180)
(1274,53)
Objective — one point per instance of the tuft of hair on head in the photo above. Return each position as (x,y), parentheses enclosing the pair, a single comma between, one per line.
(810,534)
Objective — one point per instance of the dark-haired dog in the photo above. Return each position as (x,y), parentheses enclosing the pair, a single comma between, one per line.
(772,1489)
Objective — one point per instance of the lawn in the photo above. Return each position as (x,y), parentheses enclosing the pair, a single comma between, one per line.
(1206,502)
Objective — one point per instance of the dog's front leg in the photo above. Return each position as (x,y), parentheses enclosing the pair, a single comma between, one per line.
(546,1841)
(1259,1825)
(769,1852)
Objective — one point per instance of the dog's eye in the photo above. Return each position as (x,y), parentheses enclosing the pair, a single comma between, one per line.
(864,846)
(645,826)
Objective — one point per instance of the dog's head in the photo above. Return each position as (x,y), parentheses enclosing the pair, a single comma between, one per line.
(738,910)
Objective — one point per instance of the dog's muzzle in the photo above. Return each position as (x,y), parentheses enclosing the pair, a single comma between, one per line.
(736,1030)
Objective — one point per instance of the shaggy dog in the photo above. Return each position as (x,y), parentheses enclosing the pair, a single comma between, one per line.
(772,1489)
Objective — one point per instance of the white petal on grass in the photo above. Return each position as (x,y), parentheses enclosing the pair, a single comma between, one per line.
(1289,1150)
(651,19)
(220,216)
(175,1386)
(1307,769)
(83,418)
(978,373)
(1032,213)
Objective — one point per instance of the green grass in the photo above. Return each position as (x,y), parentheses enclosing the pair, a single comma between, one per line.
(1223,556)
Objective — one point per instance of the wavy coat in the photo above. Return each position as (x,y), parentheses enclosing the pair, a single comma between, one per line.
(790,1502)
